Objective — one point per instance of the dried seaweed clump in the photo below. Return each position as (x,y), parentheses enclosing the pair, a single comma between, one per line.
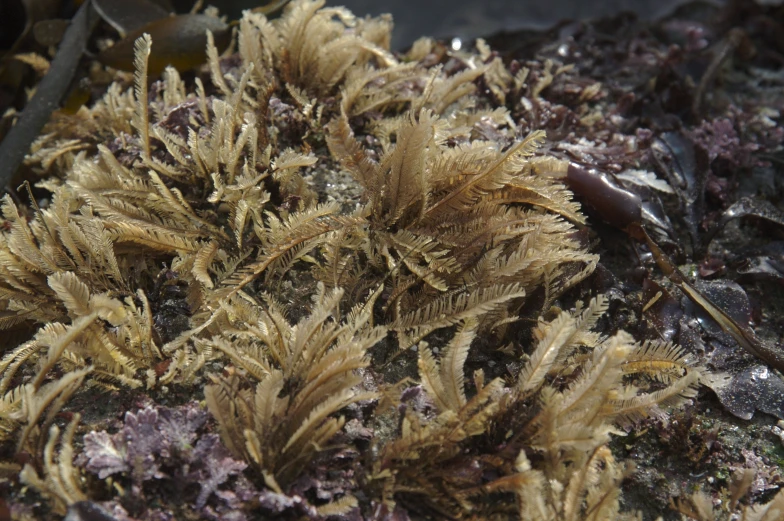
(701,507)
(173,243)
(306,372)
(544,438)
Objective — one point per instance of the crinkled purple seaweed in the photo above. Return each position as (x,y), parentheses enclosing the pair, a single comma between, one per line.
(160,443)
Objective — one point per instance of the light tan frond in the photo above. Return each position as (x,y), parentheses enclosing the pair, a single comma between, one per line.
(403,169)
(300,229)
(59,343)
(61,480)
(494,177)
(339,507)
(318,415)
(202,262)
(71,291)
(556,340)
(12,360)
(174,88)
(588,393)
(344,147)
(215,71)
(633,409)
(222,402)
(445,381)
(450,309)
(456,87)
(291,160)
(160,239)
(267,405)
(553,336)
(35,401)
(542,193)
(661,361)
(34,60)
(431,379)
(140,120)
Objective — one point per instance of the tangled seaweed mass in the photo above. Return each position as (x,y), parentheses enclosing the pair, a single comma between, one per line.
(306,249)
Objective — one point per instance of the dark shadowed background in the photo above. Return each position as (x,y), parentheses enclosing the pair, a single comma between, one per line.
(472,18)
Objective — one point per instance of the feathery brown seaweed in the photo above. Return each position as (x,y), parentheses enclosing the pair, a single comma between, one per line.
(186,227)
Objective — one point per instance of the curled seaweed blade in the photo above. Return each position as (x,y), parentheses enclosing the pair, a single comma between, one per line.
(127,16)
(180,41)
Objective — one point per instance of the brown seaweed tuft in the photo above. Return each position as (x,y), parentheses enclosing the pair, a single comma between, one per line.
(193,241)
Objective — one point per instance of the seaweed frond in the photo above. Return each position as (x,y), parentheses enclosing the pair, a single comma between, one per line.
(283,229)
(140,121)
(307,372)
(563,427)
(699,506)
(61,480)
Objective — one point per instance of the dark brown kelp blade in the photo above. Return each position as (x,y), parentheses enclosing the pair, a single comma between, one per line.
(686,167)
(34,11)
(48,94)
(50,32)
(765,263)
(37,10)
(180,41)
(271,7)
(127,16)
(741,333)
(746,207)
(77,97)
(622,209)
